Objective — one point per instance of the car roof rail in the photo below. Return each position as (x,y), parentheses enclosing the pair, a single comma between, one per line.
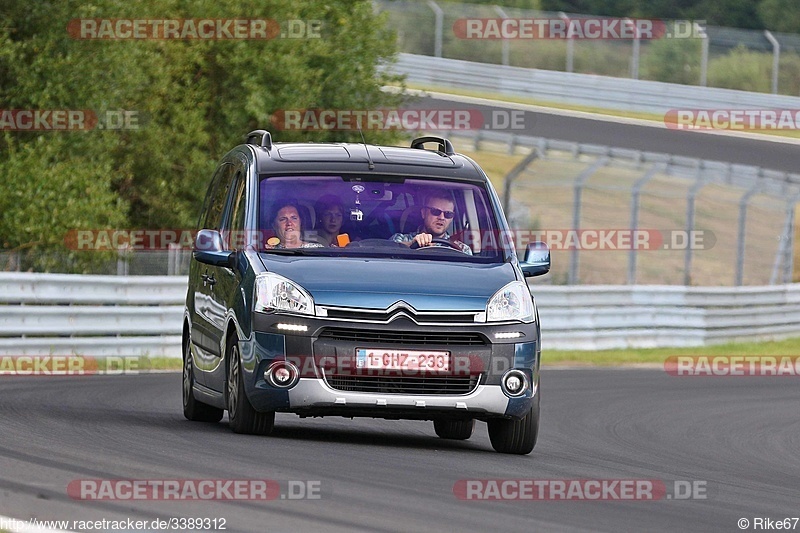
(266,138)
(445,146)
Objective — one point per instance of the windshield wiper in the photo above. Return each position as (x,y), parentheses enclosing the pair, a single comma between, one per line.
(285,251)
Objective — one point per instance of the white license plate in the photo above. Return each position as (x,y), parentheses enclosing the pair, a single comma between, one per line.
(411,360)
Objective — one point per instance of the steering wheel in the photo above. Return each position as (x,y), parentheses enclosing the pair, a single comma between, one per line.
(437,240)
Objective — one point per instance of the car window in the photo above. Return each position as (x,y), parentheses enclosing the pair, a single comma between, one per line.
(379,212)
(235,224)
(219,195)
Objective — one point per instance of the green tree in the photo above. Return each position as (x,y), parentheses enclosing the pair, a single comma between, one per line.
(780,15)
(193,99)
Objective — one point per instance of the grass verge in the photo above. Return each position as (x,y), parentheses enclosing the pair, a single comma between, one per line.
(626,357)
(656,356)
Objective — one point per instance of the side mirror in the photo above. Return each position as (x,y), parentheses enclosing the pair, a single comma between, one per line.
(537,260)
(208,249)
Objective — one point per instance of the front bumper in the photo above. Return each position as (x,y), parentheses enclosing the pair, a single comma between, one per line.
(314,397)
(321,355)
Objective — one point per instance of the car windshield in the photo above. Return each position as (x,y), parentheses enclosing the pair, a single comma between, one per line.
(379,216)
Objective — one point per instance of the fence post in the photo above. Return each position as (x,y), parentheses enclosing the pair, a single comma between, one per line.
(704,60)
(776,57)
(123,258)
(570,43)
(636,46)
(693,192)
(580,181)
(503,14)
(788,265)
(437,43)
(173,262)
(740,248)
(635,193)
(785,256)
(518,169)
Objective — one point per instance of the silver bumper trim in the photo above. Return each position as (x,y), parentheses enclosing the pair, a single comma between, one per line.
(313,392)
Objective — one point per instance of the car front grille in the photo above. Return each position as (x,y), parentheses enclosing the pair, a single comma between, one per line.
(386,316)
(403,337)
(428,385)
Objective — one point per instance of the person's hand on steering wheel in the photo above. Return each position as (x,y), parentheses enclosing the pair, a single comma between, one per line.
(420,240)
(431,241)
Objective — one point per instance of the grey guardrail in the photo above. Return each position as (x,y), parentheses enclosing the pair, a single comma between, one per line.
(579,89)
(592,317)
(61,314)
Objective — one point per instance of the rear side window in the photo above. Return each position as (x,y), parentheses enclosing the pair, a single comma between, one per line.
(235,223)
(215,205)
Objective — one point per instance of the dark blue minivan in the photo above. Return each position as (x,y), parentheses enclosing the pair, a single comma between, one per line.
(359,280)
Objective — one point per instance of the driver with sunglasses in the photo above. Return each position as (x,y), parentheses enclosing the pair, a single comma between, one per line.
(437,215)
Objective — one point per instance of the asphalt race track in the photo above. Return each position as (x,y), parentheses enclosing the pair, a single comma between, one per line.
(735,438)
(782,156)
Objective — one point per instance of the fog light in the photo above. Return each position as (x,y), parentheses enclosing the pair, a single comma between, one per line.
(282,374)
(515,383)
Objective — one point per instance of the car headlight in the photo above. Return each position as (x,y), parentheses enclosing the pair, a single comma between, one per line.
(276,293)
(512,302)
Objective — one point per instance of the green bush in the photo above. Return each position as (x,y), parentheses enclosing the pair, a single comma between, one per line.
(741,69)
(789,74)
(672,61)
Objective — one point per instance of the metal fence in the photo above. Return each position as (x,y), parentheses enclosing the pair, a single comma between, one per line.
(703,58)
(55,314)
(124,262)
(699,222)
(579,89)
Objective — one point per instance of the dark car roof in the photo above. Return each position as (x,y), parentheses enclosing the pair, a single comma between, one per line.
(303,158)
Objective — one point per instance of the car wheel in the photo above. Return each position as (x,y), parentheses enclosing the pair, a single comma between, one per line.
(241,415)
(454,429)
(515,436)
(193,409)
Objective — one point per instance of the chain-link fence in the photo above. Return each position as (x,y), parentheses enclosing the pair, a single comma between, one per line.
(171,262)
(695,54)
(618,216)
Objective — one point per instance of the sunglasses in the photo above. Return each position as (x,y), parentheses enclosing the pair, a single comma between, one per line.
(436,212)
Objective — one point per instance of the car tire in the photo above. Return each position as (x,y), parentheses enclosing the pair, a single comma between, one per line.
(454,429)
(241,416)
(194,409)
(515,436)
